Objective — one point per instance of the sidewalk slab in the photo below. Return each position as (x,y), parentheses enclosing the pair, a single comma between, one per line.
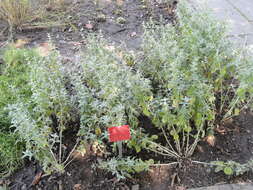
(245,7)
(240,28)
(227,187)
(224,11)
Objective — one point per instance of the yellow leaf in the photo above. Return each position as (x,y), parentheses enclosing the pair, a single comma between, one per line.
(210,140)
(98,131)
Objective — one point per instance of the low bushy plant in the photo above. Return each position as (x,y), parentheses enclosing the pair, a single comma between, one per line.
(14,77)
(41,121)
(193,67)
(245,79)
(118,93)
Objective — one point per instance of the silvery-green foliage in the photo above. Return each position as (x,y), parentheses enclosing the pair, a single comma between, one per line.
(188,64)
(232,167)
(14,87)
(89,113)
(245,78)
(48,88)
(41,126)
(125,167)
(122,89)
(36,135)
(119,94)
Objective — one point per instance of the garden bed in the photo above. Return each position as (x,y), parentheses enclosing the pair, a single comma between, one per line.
(234,143)
(120,23)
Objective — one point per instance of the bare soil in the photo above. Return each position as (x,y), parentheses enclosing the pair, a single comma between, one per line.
(234,139)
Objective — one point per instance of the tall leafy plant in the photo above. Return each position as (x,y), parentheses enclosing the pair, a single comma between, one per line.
(119,93)
(41,122)
(192,67)
(14,79)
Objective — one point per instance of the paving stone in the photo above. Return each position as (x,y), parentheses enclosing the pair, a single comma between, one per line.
(242,40)
(245,7)
(227,187)
(224,11)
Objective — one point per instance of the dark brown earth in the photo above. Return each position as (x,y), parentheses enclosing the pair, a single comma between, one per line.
(234,140)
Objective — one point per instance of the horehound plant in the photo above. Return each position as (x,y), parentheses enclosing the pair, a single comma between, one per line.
(41,122)
(14,79)
(193,68)
(109,93)
(119,93)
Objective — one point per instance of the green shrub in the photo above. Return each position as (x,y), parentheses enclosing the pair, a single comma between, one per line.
(14,77)
(41,121)
(118,94)
(245,78)
(193,68)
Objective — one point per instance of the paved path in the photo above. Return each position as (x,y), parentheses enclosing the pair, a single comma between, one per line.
(227,187)
(239,15)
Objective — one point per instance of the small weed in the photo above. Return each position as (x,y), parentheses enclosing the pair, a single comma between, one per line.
(123,168)
(233,168)
(101,18)
(121,20)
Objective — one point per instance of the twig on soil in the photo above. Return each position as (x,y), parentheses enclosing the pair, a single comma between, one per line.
(204,163)
(121,30)
(167,164)
(39,27)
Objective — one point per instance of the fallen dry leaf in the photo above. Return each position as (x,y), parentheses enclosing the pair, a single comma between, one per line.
(37,178)
(119,2)
(200,148)
(89,26)
(77,187)
(210,139)
(20,43)
(133,34)
(45,49)
(110,48)
(75,43)
(180,188)
(220,130)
